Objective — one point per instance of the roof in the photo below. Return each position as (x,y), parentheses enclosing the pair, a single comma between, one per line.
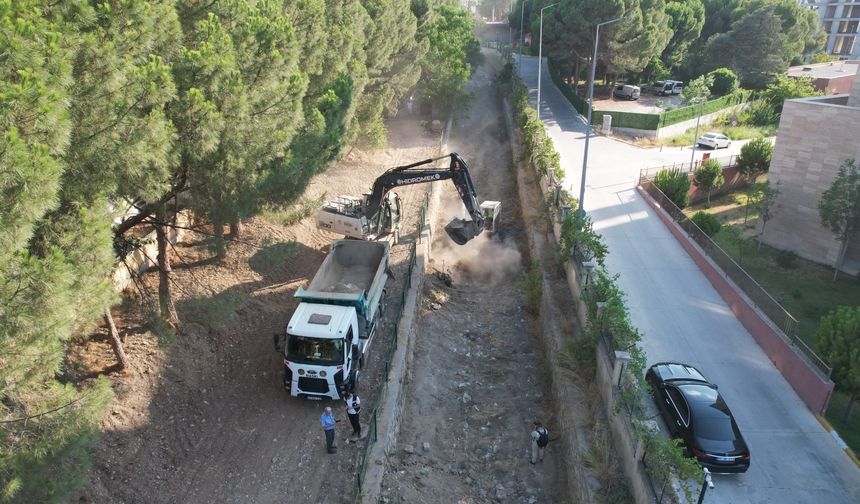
(829,70)
(669,371)
(320,320)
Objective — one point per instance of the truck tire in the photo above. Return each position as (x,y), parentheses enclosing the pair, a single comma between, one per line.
(354,380)
(361,362)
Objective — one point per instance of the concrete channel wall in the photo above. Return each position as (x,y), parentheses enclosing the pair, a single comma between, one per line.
(607,375)
(390,409)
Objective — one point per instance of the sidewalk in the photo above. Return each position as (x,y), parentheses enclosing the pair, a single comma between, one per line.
(794,459)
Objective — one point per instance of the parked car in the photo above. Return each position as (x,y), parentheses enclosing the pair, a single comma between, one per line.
(626,92)
(696,413)
(677,87)
(661,88)
(714,140)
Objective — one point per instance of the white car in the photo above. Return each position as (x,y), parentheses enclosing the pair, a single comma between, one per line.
(714,140)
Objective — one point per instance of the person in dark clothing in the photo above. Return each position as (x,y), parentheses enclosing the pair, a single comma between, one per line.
(353,406)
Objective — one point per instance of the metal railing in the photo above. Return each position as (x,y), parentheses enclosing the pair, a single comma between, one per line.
(789,328)
(372,432)
(649,173)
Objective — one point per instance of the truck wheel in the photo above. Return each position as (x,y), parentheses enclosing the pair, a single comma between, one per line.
(356,379)
(361,362)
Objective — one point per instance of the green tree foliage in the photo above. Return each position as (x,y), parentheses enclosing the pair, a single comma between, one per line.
(838,342)
(675,184)
(725,81)
(839,207)
(686,19)
(708,177)
(754,159)
(643,33)
(452,47)
(697,90)
(231,105)
(785,88)
(55,254)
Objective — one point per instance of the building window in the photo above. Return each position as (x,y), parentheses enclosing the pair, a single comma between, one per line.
(843,45)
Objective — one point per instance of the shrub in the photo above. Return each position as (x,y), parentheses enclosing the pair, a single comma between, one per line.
(755,158)
(786,259)
(675,184)
(725,81)
(760,113)
(531,282)
(707,223)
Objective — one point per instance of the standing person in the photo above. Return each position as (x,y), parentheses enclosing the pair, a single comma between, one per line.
(327,420)
(540,438)
(353,406)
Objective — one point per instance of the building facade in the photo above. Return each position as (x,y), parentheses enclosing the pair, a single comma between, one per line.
(840,19)
(816,136)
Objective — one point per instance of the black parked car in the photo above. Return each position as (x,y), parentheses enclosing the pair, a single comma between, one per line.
(696,413)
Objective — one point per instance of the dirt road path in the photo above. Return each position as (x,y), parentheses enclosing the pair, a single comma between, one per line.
(204,418)
(478,378)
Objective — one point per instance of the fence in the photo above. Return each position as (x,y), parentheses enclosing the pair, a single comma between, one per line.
(766,304)
(372,433)
(649,173)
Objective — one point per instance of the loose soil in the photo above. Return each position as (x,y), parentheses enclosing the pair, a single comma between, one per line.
(202,416)
(478,379)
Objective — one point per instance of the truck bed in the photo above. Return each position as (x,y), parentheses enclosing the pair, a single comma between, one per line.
(350,267)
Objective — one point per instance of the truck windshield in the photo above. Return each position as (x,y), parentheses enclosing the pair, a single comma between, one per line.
(315,350)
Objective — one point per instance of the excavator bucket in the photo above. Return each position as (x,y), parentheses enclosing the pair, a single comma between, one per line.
(462,230)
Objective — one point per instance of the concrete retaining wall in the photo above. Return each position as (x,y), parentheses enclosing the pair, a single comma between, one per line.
(145,257)
(813,389)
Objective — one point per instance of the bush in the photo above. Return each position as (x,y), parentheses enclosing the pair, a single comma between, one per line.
(760,113)
(786,259)
(755,158)
(725,81)
(531,282)
(707,223)
(675,184)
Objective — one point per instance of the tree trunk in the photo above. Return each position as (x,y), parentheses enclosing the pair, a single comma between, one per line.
(236,229)
(848,409)
(576,69)
(761,234)
(115,342)
(839,260)
(220,248)
(165,300)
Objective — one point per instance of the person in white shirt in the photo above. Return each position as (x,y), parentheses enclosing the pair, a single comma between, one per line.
(539,440)
(353,406)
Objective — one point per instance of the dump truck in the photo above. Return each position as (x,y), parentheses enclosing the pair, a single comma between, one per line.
(329,334)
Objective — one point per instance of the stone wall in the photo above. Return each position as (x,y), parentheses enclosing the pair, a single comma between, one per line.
(816,135)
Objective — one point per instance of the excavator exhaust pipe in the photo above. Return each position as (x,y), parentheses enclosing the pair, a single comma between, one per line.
(462,231)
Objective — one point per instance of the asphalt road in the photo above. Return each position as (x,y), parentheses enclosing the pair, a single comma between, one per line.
(794,460)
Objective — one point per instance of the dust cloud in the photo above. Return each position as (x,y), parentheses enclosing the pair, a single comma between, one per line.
(486,260)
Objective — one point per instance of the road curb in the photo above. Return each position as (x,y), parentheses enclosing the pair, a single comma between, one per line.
(390,409)
(839,441)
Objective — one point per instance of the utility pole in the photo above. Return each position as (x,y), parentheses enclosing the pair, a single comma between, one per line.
(581,209)
(540,57)
(522,31)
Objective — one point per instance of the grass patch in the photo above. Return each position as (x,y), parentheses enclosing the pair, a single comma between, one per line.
(295,213)
(740,132)
(161,329)
(271,257)
(213,311)
(806,289)
(531,282)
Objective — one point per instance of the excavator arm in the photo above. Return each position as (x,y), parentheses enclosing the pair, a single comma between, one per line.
(460,230)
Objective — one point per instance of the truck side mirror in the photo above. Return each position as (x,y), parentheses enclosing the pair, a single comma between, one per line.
(277,338)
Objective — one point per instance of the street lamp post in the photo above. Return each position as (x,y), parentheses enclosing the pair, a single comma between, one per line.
(581,209)
(701,102)
(511,29)
(522,31)
(540,57)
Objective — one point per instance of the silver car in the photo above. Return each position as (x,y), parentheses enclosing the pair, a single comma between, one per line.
(714,140)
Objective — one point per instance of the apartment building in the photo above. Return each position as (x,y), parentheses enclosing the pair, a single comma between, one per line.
(840,19)
(816,135)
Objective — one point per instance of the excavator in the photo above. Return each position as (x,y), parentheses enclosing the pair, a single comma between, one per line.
(377,213)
